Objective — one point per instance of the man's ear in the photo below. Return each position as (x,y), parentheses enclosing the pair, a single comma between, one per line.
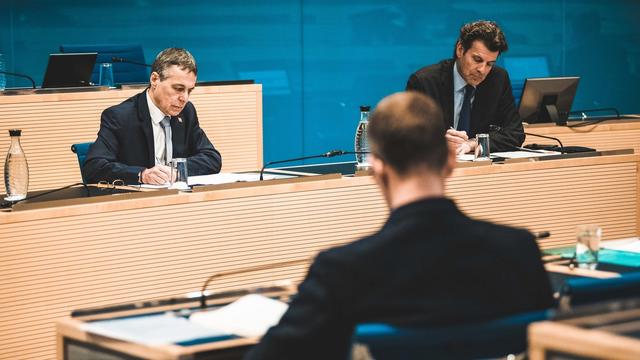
(154,79)
(451,159)
(459,50)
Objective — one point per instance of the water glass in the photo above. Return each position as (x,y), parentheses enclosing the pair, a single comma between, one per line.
(106,75)
(483,151)
(587,246)
(179,175)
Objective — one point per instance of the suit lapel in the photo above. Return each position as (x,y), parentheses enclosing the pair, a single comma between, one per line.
(178,136)
(145,118)
(446,79)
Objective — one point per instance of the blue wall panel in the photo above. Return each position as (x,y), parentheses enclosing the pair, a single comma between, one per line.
(318,60)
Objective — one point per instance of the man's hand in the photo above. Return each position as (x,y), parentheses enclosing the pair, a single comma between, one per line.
(157,175)
(462,142)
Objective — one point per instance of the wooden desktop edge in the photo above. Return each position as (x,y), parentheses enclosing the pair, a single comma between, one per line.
(288,185)
(593,343)
(72,328)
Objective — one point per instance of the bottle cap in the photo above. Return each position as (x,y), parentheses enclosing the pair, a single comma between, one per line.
(15,132)
(364,107)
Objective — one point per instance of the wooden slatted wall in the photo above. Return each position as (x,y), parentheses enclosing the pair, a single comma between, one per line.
(230,115)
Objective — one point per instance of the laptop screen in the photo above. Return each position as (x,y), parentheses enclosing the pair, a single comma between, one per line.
(69,70)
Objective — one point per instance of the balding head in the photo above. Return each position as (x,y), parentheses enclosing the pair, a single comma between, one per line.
(407,132)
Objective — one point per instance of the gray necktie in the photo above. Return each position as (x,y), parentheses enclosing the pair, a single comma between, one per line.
(166,125)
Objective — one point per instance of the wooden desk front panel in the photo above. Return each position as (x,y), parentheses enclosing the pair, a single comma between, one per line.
(52,266)
(59,259)
(230,115)
(555,199)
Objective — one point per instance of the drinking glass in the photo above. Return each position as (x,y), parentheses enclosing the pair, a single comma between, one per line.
(179,175)
(106,75)
(587,246)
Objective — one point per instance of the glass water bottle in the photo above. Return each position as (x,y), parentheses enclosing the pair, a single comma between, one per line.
(16,170)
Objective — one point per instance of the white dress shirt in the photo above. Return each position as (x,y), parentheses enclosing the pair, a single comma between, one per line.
(158,132)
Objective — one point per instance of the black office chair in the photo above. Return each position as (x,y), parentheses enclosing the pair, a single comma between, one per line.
(123,73)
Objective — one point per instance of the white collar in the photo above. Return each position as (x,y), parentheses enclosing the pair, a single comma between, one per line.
(156,114)
(458,80)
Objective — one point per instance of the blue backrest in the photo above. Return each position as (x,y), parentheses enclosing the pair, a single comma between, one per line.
(493,338)
(81,150)
(123,73)
(580,291)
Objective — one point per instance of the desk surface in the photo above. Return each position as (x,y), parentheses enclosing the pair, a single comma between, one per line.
(609,333)
(92,254)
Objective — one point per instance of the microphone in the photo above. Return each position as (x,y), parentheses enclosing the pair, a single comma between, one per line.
(331,153)
(204,294)
(33,83)
(499,129)
(116,59)
(541,235)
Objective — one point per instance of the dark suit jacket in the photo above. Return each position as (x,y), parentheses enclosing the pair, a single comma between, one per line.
(429,264)
(493,103)
(125,146)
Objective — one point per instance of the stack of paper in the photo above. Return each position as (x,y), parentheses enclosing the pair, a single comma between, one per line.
(249,316)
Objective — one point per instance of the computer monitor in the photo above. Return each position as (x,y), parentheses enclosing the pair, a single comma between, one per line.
(547,99)
(69,70)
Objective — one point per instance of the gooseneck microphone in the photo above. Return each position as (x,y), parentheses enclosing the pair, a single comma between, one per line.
(116,59)
(331,153)
(499,129)
(33,83)
(203,294)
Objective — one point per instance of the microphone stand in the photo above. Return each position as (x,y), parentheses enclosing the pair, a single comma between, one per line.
(331,153)
(123,60)
(33,83)
(499,129)
(550,138)
(203,295)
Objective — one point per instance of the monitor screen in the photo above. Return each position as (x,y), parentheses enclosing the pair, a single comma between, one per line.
(69,70)
(547,99)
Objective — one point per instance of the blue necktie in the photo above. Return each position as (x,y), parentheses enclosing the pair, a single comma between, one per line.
(166,125)
(464,120)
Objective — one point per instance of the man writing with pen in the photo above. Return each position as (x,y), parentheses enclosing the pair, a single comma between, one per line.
(472,91)
(139,137)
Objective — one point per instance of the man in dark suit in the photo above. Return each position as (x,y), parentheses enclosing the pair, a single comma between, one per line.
(429,264)
(139,137)
(472,91)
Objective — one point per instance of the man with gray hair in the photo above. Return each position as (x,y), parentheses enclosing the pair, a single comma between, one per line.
(428,265)
(139,137)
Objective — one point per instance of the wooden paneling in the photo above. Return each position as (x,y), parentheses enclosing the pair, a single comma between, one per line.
(58,259)
(230,115)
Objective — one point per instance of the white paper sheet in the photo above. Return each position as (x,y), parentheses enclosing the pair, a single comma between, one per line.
(628,244)
(523,154)
(249,316)
(225,178)
(152,330)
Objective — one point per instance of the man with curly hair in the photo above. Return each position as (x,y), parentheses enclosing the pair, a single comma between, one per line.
(472,91)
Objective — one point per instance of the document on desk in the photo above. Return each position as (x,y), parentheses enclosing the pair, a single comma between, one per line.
(225,178)
(250,316)
(153,329)
(524,154)
(629,245)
